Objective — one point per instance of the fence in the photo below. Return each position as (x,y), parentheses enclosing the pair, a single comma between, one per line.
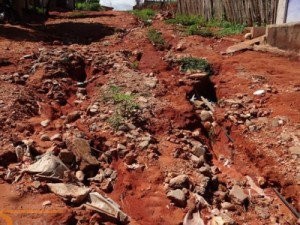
(247,12)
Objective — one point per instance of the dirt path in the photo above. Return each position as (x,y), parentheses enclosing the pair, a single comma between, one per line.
(81,77)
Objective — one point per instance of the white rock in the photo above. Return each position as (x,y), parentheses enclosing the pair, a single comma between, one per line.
(259,92)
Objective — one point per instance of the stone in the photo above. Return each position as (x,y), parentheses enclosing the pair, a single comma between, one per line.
(106,186)
(66,156)
(179,182)
(238,195)
(47,203)
(259,92)
(177,197)
(73,116)
(150,82)
(69,192)
(45,123)
(36,184)
(227,206)
(144,144)
(79,175)
(222,220)
(199,150)
(130,158)
(295,150)
(45,137)
(82,150)
(56,137)
(206,116)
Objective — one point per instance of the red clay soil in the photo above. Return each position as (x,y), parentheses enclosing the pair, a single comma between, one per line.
(141,193)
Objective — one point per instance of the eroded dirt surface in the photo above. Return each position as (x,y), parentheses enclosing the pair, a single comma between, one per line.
(71,78)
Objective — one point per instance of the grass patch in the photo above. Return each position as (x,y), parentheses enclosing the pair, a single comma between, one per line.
(145,15)
(126,107)
(88,6)
(196,25)
(191,64)
(186,20)
(156,38)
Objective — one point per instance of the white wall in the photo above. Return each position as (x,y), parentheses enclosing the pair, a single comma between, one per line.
(119,4)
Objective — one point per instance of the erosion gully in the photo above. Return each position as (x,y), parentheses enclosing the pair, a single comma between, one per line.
(197,143)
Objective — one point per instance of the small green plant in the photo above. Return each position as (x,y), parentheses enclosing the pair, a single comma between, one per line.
(156,38)
(126,107)
(195,64)
(134,65)
(225,28)
(202,31)
(88,6)
(187,20)
(144,14)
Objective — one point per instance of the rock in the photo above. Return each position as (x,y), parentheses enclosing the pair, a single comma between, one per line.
(144,144)
(56,137)
(262,212)
(106,186)
(150,82)
(206,116)
(179,182)
(130,158)
(227,206)
(69,192)
(259,92)
(36,184)
(238,195)
(121,147)
(222,220)
(295,150)
(199,150)
(177,197)
(73,116)
(45,137)
(79,175)
(66,156)
(81,149)
(45,123)
(47,203)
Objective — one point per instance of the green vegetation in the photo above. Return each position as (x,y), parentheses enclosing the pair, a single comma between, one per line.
(126,107)
(196,25)
(156,38)
(88,6)
(144,14)
(186,20)
(195,65)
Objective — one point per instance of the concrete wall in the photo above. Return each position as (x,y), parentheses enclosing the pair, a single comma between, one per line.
(284,36)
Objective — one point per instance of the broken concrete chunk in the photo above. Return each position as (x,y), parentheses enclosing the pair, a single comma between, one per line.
(106,207)
(179,182)
(69,192)
(49,166)
(177,197)
(238,195)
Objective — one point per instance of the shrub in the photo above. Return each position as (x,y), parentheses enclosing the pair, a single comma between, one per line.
(186,20)
(156,38)
(202,31)
(195,64)
(88,6)
(144,14)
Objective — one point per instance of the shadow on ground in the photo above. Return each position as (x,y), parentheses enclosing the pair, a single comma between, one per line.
(66,32)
